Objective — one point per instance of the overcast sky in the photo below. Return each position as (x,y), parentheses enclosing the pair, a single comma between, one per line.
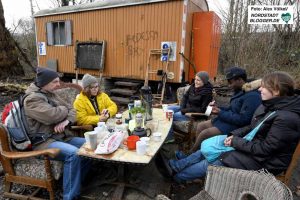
(17,9)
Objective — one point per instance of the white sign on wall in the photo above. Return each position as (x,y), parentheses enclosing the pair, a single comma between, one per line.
(42,48)
(172,56)
(270,14)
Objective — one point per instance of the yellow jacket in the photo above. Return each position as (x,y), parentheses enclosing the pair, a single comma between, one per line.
(85,112)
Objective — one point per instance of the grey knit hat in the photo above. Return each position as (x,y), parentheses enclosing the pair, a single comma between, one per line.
(203,76)
(44,76)
(88,80)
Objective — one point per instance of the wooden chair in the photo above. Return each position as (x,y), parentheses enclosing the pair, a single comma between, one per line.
(24,168)
(286,176)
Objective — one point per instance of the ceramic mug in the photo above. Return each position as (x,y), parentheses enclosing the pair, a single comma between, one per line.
(145,139)
(156,136)
(131,142)
(141,147)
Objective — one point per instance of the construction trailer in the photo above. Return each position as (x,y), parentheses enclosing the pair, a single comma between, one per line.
(115,37)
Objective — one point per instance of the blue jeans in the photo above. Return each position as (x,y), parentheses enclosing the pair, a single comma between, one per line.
(192,167)
(177,116)
(75,168)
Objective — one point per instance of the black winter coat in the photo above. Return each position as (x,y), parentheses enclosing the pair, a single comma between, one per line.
(273,146)
(196,100)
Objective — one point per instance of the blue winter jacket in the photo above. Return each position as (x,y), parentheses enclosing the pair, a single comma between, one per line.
(239,113)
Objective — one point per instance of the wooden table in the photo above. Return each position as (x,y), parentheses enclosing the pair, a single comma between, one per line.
(124,156)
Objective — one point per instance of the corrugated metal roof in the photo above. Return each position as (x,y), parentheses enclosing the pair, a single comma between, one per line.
(93,6)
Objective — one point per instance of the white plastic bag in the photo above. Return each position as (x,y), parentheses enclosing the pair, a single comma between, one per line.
(110,142)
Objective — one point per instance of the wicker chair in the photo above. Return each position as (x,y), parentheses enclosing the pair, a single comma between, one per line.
(224,183)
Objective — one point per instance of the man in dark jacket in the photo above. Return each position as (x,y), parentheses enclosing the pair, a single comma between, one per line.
(238,114)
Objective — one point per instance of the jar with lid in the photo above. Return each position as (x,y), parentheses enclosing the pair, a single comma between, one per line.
(118,118)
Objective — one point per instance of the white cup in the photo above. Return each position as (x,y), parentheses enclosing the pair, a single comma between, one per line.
(208,110)
(165,107)
(137,103)
(101,124)
(141,147)
(87,139)
(157,136)
(146,140)
(92,135)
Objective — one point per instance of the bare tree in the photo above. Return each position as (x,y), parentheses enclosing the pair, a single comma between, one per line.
(260,48)
(9,63)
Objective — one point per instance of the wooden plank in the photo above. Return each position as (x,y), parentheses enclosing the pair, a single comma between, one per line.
(120,100)
(125,92)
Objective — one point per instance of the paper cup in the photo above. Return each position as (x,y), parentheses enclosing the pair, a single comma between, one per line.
(165,107)
(208,110)
(91,139)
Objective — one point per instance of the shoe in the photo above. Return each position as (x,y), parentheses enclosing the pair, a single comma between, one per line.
(169,141)
(180,155)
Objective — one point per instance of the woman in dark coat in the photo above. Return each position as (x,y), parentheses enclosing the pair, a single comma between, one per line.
(274,143)
(196,99)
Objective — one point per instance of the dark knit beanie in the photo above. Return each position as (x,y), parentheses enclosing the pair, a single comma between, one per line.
(203,76)
(44,76)
(88,80)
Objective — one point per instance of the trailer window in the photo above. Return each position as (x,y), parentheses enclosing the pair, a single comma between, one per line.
(59,33)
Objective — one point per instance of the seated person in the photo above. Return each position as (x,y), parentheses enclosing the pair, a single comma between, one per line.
(48,116)
(194,100)
(274,143)
(238,114)
(92,105)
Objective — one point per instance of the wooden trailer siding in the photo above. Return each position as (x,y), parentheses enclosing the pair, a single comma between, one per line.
(129,32)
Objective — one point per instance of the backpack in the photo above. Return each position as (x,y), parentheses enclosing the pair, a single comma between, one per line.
(13,117)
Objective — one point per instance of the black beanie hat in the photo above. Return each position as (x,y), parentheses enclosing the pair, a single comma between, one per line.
(44,76)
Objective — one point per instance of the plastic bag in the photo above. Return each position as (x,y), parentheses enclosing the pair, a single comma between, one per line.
(110,142)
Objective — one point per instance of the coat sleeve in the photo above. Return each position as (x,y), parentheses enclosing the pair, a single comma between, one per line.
(38,108)
(110,105)
(244,116)
(279,135)
(82,115)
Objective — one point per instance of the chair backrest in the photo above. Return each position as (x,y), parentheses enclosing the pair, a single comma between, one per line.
(224,183)
(5,146)
(180,92)
(68,91)
(286,176)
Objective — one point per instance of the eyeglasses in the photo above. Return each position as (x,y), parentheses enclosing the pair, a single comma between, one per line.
(94,87)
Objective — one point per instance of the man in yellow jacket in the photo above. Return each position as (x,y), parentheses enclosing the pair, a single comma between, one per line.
(92,105)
